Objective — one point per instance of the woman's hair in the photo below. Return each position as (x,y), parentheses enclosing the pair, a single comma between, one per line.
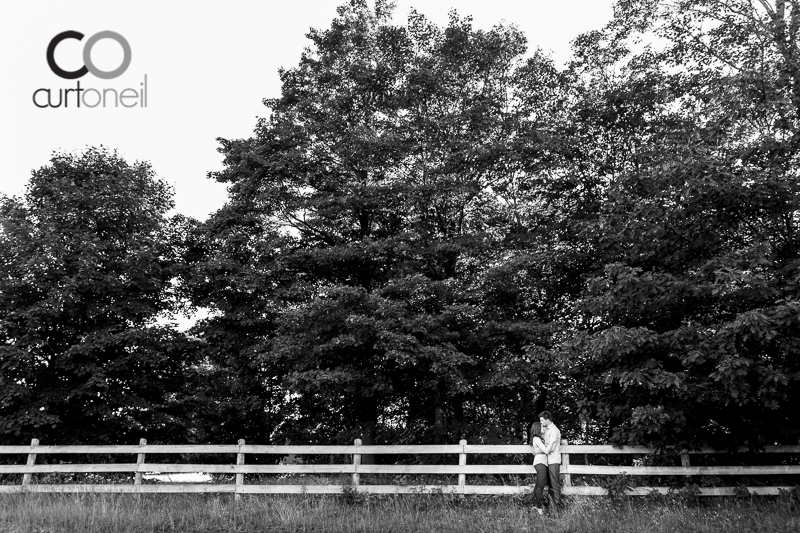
(536,430)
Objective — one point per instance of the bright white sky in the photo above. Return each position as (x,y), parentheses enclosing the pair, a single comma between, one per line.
(208,65)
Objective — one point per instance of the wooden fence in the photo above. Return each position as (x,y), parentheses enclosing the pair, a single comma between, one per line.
(355,469)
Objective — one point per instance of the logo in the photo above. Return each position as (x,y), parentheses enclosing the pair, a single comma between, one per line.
(87,55)
(90,97)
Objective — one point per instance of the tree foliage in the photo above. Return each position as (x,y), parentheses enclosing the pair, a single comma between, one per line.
(436,233)
(457,231)
(86,268)
(691,323)
(381,189)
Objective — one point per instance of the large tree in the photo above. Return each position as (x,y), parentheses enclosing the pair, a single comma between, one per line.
(86,264)
(687,332)
(373,215)
(431,236)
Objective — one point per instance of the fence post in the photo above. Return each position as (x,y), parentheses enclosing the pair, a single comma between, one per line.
(462,461)
(137,478)
(239,477)
(565,465)
(356,462)
(26,478)
(685,463)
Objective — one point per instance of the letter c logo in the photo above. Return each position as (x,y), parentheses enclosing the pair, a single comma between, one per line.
(87,55)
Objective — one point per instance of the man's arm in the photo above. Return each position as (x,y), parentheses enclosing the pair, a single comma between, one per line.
(538,446)
(548,442)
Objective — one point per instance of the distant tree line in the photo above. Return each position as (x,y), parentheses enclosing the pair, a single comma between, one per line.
(434,234)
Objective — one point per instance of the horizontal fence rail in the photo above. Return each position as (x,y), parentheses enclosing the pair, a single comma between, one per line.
(354,468)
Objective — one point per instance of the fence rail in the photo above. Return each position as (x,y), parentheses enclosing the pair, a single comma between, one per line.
(355,468)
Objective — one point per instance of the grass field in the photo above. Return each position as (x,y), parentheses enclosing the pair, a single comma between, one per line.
(197,513)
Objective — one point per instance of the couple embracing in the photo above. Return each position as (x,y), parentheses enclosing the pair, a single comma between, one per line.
(546,444)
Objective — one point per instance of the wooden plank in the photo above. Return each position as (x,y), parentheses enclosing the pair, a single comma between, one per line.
(607,449)
(140,458)
(293,489)
(26,479)
(152,468)
(499,448)
(703,491)
(296,449)
(569,449)
(377,449)
(17,450)
(565,464)
(251,469)
(454,449)
(249,448)
(248,469)
(500,489)
(433,449)
(411,489)
(415,449)
(337,489)
(462,461)
(681,471)
(356,463)
(125,449)
(446,469)
(19,469)
(271,469)
(583,490)
(401,469)
(349,450)
(239,462)
(183,488)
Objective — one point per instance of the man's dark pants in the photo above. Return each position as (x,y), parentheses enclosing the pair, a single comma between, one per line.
(553,472)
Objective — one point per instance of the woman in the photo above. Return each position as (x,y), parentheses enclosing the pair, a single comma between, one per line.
(539,463)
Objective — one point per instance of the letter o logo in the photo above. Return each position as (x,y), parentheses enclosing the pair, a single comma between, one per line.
(87,55)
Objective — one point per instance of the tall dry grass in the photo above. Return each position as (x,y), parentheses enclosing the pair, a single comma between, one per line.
(197,513)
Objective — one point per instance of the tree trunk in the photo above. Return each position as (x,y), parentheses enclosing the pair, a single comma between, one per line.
(369,423)
(439,415)
(367,439)
(543,397)
(458,415)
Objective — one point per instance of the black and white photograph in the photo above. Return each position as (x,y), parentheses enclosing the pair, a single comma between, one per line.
(396,267)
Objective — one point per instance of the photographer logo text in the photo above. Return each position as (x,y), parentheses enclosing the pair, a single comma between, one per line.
(90,97)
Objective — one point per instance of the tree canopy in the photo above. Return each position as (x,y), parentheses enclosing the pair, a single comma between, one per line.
(86,269)
(435,233)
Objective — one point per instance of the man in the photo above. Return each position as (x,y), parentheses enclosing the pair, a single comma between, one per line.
(552,439)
